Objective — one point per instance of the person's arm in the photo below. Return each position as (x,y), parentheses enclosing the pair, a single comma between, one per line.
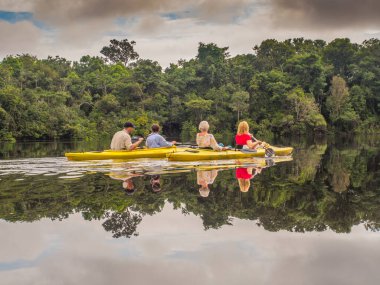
(162,142)
(214,144)
(198,140)
(214,174)
(133,146)
(252,144)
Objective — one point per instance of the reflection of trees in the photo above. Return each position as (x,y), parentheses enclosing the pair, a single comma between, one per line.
(339,167)
(322,188)
(122,224)
(307,163)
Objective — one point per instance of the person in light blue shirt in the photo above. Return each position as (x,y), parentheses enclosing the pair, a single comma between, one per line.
(155,140)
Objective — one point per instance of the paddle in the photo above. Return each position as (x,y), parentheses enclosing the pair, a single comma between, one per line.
(186,145)
(269,152)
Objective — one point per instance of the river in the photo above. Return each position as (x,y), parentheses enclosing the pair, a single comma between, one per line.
(313,218)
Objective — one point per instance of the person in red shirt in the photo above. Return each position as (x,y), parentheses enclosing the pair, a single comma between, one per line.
(243,138)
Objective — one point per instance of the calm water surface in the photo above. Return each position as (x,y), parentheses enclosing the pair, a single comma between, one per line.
(313,218)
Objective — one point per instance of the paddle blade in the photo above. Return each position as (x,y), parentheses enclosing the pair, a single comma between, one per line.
(269,152)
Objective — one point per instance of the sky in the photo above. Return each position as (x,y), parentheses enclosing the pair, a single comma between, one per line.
(170,30)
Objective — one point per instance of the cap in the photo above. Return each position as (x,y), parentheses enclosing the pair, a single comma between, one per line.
(129,125)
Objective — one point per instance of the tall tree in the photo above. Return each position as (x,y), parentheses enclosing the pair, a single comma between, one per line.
(239,103)
(120,51)
(339,105)
(340,52)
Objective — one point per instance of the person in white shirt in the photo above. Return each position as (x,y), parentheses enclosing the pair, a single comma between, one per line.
(122,139)
(206,140)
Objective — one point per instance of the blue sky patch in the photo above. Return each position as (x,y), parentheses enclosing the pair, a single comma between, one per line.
(176,15)
(14,17)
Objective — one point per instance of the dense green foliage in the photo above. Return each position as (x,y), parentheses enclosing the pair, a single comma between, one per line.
(291,87)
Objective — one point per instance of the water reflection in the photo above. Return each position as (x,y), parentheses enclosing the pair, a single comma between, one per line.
(156,184)
(204,179)
(62,221)
(324,187)
(127,180)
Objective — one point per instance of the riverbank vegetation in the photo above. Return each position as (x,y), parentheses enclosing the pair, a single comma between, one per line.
(296,86)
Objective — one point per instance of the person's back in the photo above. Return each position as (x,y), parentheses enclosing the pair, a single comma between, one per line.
(121,140)
(206,140)
(155,140)
(243,138)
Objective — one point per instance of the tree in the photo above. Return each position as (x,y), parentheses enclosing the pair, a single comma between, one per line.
(340,52)
(272,54)
(199,107)
(305,111)
(358,100)
(120,51)
(339,105)
(212,65)
(239,103)
(107,104)
(307,71)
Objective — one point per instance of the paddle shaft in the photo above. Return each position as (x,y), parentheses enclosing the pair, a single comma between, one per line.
(268,150)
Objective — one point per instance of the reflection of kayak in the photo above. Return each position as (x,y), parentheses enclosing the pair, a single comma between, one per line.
(206,154)
(121,154)
(247,162)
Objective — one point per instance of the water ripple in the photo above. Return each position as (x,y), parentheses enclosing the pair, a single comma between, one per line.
(63,168)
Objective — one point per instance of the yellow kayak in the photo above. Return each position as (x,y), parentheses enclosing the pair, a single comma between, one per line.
(122,154)
(206,154)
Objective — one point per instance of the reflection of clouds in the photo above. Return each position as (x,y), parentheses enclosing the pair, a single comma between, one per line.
(11,246)
(174,247)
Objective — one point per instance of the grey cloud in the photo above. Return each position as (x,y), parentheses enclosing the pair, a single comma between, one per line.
(63,11)
(223,10)
(22,37)
(326,13)
(16,6)
(60,12)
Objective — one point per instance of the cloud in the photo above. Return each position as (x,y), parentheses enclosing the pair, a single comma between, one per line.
(61,12)
(16,6)
(224,11)
(316,14)
(18,38)
(169,30)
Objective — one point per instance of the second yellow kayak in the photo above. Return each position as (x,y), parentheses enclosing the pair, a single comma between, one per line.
(206,154)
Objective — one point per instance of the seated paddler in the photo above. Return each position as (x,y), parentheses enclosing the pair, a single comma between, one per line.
(244,140)
(205,139)
(155,140)
(122,139)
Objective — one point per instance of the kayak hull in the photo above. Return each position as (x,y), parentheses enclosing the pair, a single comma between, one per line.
(121,154)
(203,154)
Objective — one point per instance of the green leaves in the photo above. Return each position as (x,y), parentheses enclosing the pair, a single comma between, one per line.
(339,105)
(282,87)
(120,51)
